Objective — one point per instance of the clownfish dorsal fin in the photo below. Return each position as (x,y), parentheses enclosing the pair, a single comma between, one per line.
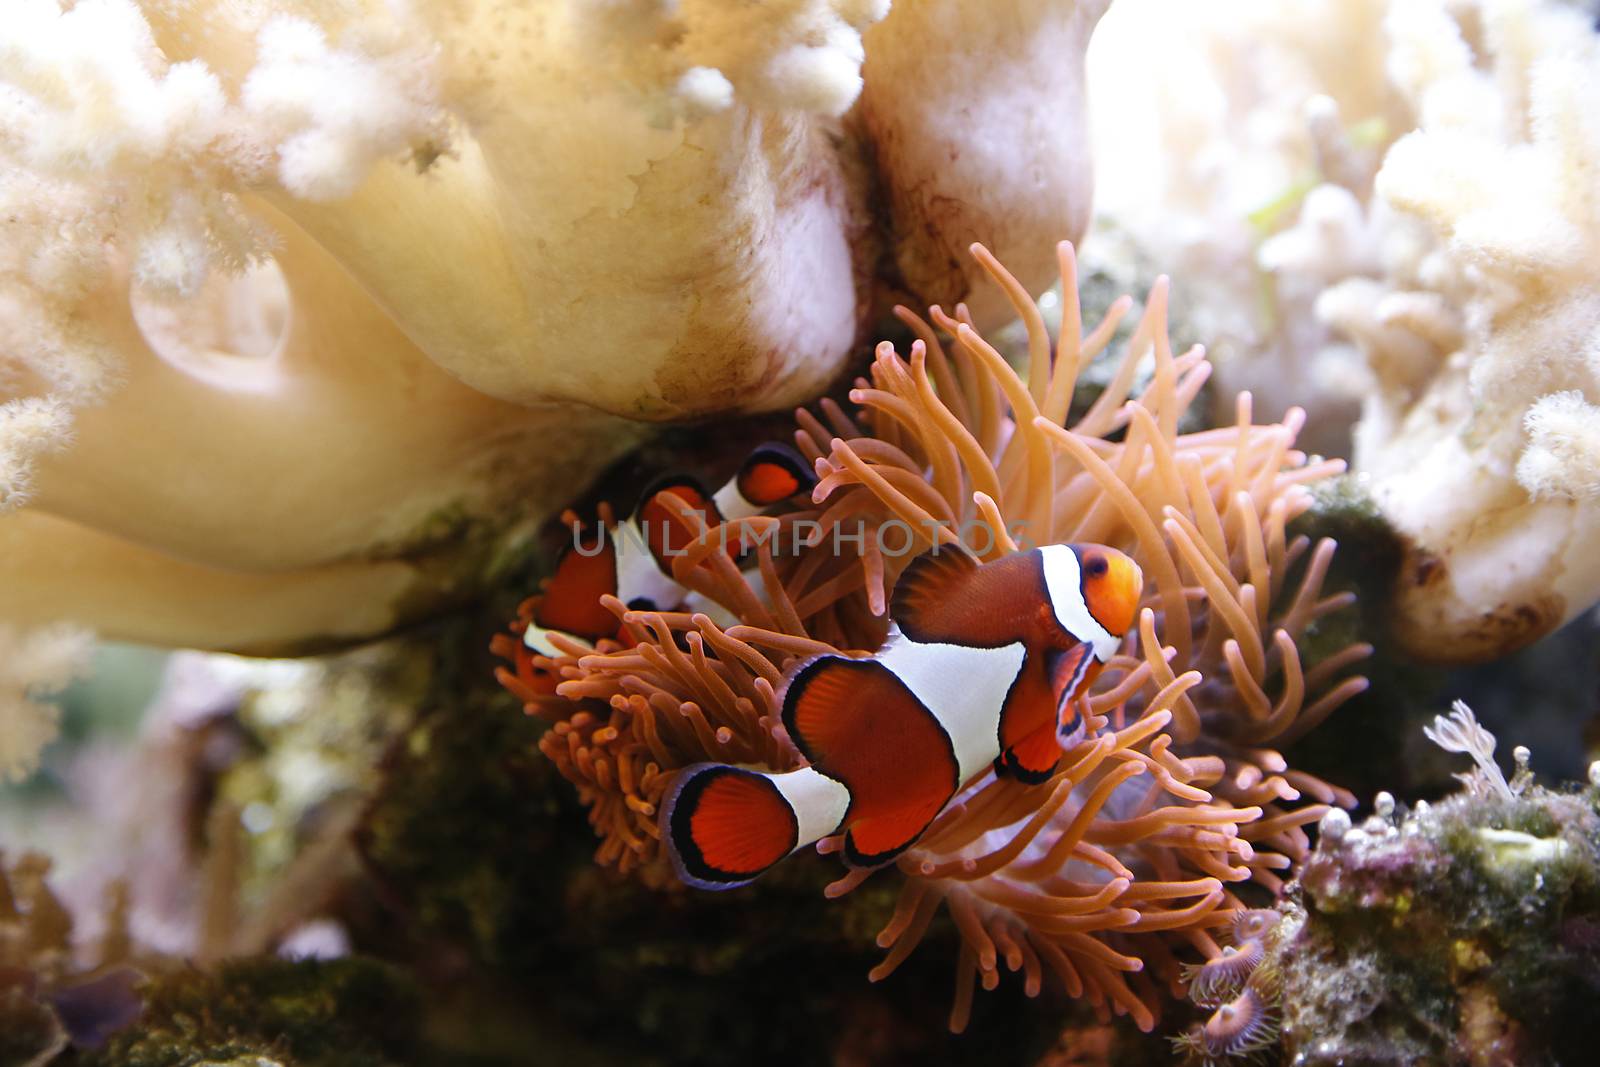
(686,487)
(928,594)
(663,526)
(946,596)
(770,474)
(773,473)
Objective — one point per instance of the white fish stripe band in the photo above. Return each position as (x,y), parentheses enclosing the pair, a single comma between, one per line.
(1064,581)
(538,639)
(638,574)
(731,504)
(964,688)
(819,802)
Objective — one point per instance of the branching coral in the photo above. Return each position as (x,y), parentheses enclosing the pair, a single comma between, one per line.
(1138,843)
(1486,460)
(484,216)
(1238,152)
(34,665)
(1412,205)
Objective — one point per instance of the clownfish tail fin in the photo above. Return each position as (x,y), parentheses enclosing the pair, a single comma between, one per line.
(725,826)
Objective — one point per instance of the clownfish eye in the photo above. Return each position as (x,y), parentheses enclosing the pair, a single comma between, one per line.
(1095,566)
(641,603)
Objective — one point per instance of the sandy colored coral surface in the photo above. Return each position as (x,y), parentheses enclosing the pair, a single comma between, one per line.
(484,247)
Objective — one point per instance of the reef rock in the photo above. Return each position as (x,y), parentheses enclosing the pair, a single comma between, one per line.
(1467,932)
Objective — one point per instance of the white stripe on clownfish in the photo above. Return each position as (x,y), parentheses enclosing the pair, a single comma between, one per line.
(820,803)
(537,638)
(963,687)
(731,503)
(639,573)
(1064,579)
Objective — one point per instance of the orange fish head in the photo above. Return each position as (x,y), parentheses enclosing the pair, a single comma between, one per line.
(1112,586)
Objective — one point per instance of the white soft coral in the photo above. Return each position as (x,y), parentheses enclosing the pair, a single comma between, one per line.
(1237,152)
(1488,463)
(508,235)
(34,664)
(334,112)
(1401,204)
(1562,459)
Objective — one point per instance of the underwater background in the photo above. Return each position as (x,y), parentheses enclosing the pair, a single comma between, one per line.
(464,462)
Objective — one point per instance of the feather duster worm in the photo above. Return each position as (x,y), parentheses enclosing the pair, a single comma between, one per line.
(1166,804)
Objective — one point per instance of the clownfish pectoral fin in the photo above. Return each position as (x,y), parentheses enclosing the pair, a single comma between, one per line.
(1033,759)
(1027,715)
(725,826)
(1068,736)
(1071,673)
(859,724)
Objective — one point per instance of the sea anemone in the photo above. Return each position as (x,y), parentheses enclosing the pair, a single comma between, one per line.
(1166,804)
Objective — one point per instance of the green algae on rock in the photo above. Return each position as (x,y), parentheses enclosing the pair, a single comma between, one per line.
(1462,932)
(269,1012)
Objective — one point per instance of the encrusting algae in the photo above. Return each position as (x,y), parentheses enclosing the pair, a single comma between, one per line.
(1165,807)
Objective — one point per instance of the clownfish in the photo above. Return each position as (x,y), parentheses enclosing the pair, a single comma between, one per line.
(984,666)
(634,562)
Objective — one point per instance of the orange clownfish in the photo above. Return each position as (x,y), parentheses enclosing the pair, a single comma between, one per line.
(984,665)
(634,562)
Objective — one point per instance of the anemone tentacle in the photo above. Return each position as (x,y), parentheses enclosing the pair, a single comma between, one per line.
(1171,801)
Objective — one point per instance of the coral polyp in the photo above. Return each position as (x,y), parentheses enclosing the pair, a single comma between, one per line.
(1219,979)
(1168,803)
(1239,1028)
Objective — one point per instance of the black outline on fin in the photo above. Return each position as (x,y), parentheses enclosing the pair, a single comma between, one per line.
(785,456)
(687,860)
(795,688)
